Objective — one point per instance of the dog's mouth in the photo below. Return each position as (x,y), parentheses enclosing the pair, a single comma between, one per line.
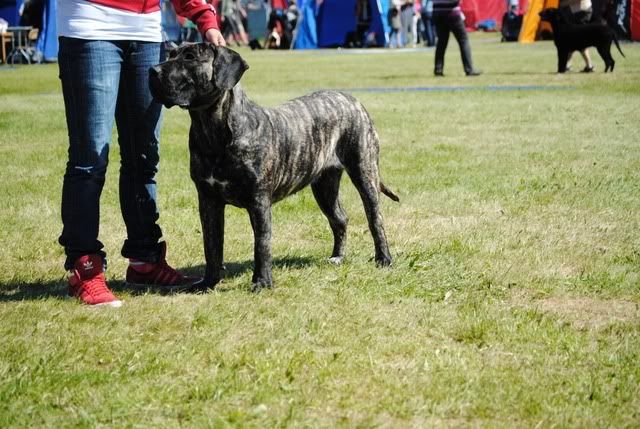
(168,98)
(166,94)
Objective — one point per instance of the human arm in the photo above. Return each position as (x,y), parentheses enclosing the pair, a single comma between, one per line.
(204,16)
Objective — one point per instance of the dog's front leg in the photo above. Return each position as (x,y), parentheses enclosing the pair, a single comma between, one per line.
(260,215)
(212,219)
(563,59)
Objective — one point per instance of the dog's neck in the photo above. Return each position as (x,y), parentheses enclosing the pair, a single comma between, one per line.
(212,122)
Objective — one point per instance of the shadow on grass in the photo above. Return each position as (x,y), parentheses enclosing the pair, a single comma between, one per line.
(11,292)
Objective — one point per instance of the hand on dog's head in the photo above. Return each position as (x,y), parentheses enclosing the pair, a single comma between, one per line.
(195,75)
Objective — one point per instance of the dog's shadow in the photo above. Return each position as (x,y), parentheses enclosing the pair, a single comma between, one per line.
(32,291)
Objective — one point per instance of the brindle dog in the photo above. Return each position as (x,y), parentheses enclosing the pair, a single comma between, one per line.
(251,157)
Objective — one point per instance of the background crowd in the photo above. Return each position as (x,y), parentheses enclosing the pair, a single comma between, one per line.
(255,23)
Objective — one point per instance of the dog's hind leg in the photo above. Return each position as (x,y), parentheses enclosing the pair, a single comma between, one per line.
(325,190)
(365,177)
(605,53)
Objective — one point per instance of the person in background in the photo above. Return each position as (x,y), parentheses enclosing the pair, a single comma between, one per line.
(279,30)
(406,22)
(427,19)
(363,21)
(578,12)
(106,48)
(233,15)
(416,25)
(447,17)
(393,17)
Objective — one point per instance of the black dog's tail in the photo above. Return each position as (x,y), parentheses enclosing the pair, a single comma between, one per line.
(615,39)
(388,193)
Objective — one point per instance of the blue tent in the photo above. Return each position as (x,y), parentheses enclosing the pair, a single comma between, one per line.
(325,24)
(47,44)
(10,11)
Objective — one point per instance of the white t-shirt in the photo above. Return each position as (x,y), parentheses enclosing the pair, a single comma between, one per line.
(85,20)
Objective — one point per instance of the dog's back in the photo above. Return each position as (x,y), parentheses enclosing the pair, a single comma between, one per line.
(325,129)
(582,36)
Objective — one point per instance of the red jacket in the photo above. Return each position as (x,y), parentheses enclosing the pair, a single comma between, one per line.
(198,11)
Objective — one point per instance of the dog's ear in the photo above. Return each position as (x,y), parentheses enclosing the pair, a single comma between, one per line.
(228,67)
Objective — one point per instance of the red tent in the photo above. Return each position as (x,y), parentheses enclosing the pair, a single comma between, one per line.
(635,20)
(480,10)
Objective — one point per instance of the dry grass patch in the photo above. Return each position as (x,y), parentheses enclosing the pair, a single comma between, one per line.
(590,313)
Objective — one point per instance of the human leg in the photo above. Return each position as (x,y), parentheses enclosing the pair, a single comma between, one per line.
(442,32)
(138,118)
(429,32)
(89,73)
(457,28)
(588,65)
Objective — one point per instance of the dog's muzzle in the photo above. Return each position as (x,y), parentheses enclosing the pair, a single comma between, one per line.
(155,83)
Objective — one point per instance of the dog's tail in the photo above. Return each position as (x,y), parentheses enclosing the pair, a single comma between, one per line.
(388,193)
(615,39)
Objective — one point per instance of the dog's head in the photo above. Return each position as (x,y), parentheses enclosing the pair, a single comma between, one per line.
(549,15)
(195,75)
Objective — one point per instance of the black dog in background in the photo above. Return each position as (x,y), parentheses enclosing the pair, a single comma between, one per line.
(571,37)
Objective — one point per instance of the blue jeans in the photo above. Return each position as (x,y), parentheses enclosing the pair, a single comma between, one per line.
(103,81)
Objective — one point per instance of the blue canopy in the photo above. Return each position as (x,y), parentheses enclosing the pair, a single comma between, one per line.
(10,11)
(327,23)
(47,45)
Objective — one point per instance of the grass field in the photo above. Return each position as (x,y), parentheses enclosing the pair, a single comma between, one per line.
(514,299)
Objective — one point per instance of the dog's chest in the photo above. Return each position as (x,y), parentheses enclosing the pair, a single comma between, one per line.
(220,176)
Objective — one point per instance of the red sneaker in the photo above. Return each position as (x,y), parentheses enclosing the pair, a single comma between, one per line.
(87,282)
(157,274)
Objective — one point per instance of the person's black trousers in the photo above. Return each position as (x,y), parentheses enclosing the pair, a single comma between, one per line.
(452,24)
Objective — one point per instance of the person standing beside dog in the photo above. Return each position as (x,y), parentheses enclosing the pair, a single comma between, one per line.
(448,18)
(106,48)
(577,12)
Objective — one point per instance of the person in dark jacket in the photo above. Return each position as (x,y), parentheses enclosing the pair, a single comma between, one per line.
(448,18)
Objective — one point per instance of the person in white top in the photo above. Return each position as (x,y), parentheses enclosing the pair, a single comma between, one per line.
(106,50)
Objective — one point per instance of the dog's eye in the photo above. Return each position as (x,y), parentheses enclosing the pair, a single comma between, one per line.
(189,56)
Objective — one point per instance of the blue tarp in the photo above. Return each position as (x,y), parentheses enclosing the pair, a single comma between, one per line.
(306,30)
(327,24)
(10,11)
(47,45)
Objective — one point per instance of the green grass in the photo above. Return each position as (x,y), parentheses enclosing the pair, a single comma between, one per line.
(514,299)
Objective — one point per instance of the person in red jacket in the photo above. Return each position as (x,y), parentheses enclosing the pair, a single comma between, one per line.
(106,50)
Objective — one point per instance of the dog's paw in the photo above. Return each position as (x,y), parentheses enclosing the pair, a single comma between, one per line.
(260,285)
(202,286)
(383,262)
(336,260)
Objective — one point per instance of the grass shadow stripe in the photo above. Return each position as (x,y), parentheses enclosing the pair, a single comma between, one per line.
(461,88)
